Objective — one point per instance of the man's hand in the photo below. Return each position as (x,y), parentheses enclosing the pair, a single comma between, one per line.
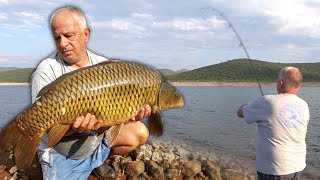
(89,122)
(240,110)
(142,113)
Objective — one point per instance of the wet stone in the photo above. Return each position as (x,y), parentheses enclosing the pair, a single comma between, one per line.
(191,168)
(134,168)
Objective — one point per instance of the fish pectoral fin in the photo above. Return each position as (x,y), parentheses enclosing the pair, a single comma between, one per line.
(155,123)
(56,133)
(112,134)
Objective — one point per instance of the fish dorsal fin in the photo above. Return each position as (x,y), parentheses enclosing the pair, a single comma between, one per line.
(56,133)
(112,134)
(53,84)
(111,61)
(45,89)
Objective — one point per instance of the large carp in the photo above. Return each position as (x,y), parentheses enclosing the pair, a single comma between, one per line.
(113,91)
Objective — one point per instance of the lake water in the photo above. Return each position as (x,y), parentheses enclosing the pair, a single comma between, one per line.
(208,120)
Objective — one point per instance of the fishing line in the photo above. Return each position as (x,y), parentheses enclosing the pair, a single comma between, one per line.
(241,44)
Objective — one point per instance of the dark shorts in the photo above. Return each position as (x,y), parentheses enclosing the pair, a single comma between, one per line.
(293,176)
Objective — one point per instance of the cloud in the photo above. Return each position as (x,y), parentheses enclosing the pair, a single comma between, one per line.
(293,18)
(142,16)
(287,17)
(28,20)
(3,59)
(191,24)
(3,17)
(4,1)
(139,25)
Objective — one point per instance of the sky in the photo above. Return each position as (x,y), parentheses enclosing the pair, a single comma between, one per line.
(173,34)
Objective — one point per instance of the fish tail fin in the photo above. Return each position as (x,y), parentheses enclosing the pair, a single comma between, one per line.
(9,137)
(24,147)
(155,123)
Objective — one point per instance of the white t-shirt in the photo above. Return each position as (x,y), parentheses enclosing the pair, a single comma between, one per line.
(77,145)
(282,126)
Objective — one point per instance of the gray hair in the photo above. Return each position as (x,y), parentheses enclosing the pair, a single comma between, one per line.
(291,76)
(75,10)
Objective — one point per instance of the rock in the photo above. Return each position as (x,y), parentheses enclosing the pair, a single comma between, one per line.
(5,175)
(191,168)
(168,156)
(174,164)
(126,159)
(155,145)
(233,174)
(104,171)
(182,153)
(120,177)
(143,152)
(2,168)
(134,168)
(144,176)
(91,177)
(212,170)
(251,176)
(13,170)
(157,157)
(154,170)
(200,175)
(172,173)
(117,167)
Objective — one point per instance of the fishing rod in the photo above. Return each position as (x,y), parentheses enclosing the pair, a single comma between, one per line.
(241,44)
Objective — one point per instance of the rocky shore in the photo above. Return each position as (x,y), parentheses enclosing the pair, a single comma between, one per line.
(154,160)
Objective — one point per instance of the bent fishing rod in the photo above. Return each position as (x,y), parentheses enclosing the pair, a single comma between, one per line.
(241,44)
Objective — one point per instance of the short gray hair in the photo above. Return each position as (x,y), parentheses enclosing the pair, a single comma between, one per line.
(291,76)
(75,10)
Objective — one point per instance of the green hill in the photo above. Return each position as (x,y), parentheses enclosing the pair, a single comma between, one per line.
(19,75)
(169,72)
(240,70)
(2,69)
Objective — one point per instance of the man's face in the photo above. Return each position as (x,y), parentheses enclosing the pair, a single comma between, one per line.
(69,37)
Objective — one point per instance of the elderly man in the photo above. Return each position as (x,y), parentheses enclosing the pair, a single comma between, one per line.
(83,147)
(282,126)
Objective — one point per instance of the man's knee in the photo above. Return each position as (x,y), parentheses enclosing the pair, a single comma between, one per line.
(142,134)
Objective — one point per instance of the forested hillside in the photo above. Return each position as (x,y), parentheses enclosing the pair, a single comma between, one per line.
(19,75)
(240,70)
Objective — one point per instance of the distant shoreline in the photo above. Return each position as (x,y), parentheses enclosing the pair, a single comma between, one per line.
(228,84)
(14,84)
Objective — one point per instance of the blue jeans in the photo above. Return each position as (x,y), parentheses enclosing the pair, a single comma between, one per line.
(57,167)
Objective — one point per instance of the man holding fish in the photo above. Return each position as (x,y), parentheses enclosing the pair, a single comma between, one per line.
(83,147)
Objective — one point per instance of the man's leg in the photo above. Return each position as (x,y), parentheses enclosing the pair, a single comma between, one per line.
(132,135)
